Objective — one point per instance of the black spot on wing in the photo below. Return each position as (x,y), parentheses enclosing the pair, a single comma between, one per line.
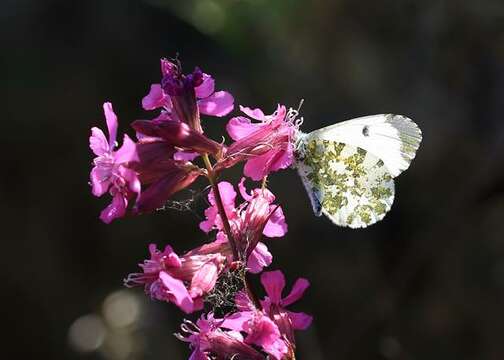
(365,130)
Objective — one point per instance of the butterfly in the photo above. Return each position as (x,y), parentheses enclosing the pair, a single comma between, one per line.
(348,168)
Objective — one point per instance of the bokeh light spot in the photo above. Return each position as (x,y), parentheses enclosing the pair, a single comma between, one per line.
(121,309)
(87,333)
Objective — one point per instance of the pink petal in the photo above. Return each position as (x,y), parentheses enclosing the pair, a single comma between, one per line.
(279,114)
(300,321)
(267,137)
(206,88)
(261,331)
(259,259)
(155,98)
(297,291)
(243,301)
(265,333)
(284,160)
(116,209)
(237,320)
(97,142)
(185,156)
(221,238)
(180,295)
(131,179)
(239,127)
(112,123)
(243,190)
(276,225)
(220,103)
(204,279)
(127,152)
(227,193)
(253,113)
(171,258)
(100,180)
(211,217)
(274,283)
(277,350)
(258,167)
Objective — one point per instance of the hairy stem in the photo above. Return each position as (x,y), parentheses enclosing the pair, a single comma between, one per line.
(220,207)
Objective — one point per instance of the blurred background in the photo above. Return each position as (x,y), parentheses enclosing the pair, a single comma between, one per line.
(425,283)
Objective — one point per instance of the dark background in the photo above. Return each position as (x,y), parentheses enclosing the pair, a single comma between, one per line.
(425,283)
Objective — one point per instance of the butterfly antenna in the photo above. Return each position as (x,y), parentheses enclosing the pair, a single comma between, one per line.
(301,102)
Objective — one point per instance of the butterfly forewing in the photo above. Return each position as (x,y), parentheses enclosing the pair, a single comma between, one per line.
(392,138)
(348,184)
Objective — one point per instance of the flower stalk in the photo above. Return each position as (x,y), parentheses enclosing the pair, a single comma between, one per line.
(212,178)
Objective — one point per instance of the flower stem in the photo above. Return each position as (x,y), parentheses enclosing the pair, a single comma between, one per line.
(220,207)
(227,228)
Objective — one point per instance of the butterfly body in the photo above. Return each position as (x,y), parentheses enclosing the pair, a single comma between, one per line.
(348,168)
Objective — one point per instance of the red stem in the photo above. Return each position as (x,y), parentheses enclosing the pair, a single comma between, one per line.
(220,207)
(227,228)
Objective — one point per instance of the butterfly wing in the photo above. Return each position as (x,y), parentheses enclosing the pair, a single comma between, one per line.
(348,168)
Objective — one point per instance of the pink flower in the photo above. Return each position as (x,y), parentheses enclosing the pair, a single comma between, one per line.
(213,219)
(208,340)
(274,305)
(266,146)
(259,258)
(271,327)
(260,329)
(165,276)
(185,96)
(263,332)
(256,217)
(275,225)
(110,172)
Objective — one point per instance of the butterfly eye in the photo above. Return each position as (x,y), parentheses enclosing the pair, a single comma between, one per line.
(365,131)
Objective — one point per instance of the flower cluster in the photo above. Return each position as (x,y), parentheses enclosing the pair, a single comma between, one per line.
(170,152)
(270,327)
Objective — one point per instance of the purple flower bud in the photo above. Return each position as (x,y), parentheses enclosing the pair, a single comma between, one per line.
(178,134)
(184,97)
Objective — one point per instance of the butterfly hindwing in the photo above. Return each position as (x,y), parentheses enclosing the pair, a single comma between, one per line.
(346,183)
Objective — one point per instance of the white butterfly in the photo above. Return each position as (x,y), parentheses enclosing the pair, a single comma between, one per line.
(348,168)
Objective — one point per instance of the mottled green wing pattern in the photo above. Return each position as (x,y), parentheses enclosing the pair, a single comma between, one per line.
(348,184)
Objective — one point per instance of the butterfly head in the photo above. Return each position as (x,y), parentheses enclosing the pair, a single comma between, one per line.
(298,136)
